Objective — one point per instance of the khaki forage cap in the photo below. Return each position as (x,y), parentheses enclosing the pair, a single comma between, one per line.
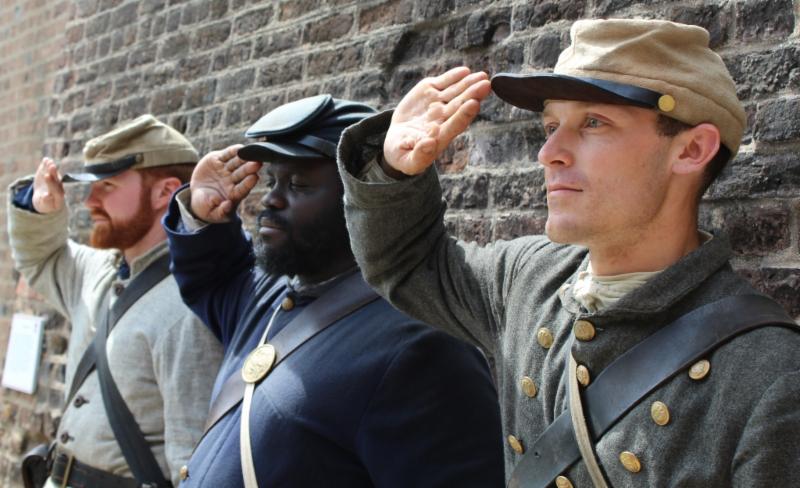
(650,63)
(144,142)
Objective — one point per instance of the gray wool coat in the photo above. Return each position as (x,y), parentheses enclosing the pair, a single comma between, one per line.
(737,426)
(162,358)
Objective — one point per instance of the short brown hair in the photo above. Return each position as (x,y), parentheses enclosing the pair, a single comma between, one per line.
(669,127)
(181,171)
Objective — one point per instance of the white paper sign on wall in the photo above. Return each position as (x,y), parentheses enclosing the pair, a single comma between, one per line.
(24,352)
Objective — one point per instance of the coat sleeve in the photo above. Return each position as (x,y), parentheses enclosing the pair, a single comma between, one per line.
(398,237)
(186,358)
(769,452)
(433,420)
(213,267)
(48,260)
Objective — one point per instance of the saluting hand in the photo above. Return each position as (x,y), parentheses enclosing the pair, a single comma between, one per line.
(48,191)
(219,182)
(431,115)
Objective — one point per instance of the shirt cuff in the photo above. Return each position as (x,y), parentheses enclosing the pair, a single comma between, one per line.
(189,221)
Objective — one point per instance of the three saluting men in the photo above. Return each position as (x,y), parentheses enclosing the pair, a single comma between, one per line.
(620,340)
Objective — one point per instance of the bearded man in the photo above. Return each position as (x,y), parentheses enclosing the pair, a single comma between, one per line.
(134,347)
(323,383)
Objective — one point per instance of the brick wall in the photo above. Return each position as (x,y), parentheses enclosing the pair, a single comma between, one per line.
(212,67)
(31,51)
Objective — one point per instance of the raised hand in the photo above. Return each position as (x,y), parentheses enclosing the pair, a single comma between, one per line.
(48,191)
(431,115)
(219,182)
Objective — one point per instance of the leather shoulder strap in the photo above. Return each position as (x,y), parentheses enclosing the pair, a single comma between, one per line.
(342,300)
(130,438)
(644,367)
(153,274)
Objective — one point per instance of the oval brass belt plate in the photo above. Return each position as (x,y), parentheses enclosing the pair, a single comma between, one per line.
(258,363)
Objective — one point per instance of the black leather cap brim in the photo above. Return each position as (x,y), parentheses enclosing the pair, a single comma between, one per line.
(88,177)
(529,92)
(269,151)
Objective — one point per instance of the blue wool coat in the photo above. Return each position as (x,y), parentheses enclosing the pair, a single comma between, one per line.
(376,399)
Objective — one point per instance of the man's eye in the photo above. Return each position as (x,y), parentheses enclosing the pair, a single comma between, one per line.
(549,129)
(593,123)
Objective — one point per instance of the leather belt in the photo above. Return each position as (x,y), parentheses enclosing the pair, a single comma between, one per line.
(68,471)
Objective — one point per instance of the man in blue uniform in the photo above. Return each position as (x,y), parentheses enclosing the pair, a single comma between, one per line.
(374,398)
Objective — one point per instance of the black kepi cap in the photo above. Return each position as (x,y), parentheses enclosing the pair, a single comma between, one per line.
(308,128)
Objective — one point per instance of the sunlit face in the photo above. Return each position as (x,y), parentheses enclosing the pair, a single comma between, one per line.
(121,211)
(606,170)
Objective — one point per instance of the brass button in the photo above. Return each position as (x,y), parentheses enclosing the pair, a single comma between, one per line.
(515,444)
(630,461)
(666,103)
(65,437)
(563,482)
(184,472)
(583,330)
(660,413)
(700,369)
(544,337)
(118,289)
(287,304)
(583,375)
(528,386)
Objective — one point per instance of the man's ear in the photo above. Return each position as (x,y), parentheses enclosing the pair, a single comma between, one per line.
(696,147)
(162,190)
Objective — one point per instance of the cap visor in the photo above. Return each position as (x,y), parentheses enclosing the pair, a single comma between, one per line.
(530,91)
(89,177)
(269,151)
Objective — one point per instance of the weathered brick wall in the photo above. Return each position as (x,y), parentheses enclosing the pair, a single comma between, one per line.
(31,51)
(212,67)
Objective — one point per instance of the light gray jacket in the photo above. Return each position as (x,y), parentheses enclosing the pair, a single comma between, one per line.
(162,358)
(738,426)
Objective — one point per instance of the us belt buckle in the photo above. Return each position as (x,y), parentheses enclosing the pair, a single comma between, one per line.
(67,470)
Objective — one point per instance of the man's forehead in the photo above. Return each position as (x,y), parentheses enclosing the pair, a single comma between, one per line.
(553,107)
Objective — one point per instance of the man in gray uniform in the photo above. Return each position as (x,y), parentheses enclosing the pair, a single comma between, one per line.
(609,366)
(161,358)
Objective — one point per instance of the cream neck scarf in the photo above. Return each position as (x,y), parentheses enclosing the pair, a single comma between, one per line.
(596,293)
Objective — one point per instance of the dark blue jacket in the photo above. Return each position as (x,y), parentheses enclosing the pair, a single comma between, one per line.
(377,399)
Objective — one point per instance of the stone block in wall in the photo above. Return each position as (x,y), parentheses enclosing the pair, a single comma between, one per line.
(253,20)
(765,72)
(290,9)
(754,175)
(754,229)
(466,191)
(211,35)
(125,15)
(469,228)
(480,28)
(427,10)
(200,94)
(329,28)
(390,13)
(192,68)
(175,46)
(142,54)
(273,41)
(233,56)
(167,100)
(778,120)
(779,283)
(715,18)
(760,20)
(518,190)
(337,60)
(236,83)
(285,70)
(504,145)
(537,13)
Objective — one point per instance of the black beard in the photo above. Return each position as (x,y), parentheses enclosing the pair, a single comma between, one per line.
(306,251)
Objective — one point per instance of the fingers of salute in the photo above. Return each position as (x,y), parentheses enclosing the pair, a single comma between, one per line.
(431,115)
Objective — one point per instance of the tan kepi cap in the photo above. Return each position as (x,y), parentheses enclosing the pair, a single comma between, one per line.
(144,142)
(648,63)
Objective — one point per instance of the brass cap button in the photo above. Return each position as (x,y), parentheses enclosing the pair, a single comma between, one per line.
(184,473)
(563,482)
(630,461)
(544,337)
(287,304)
(583,330)
(700,369)
(666,103)
(583,375)
(528,386)
(515,444)
(660,413)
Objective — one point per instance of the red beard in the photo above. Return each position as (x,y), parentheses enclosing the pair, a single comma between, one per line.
(123,234)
